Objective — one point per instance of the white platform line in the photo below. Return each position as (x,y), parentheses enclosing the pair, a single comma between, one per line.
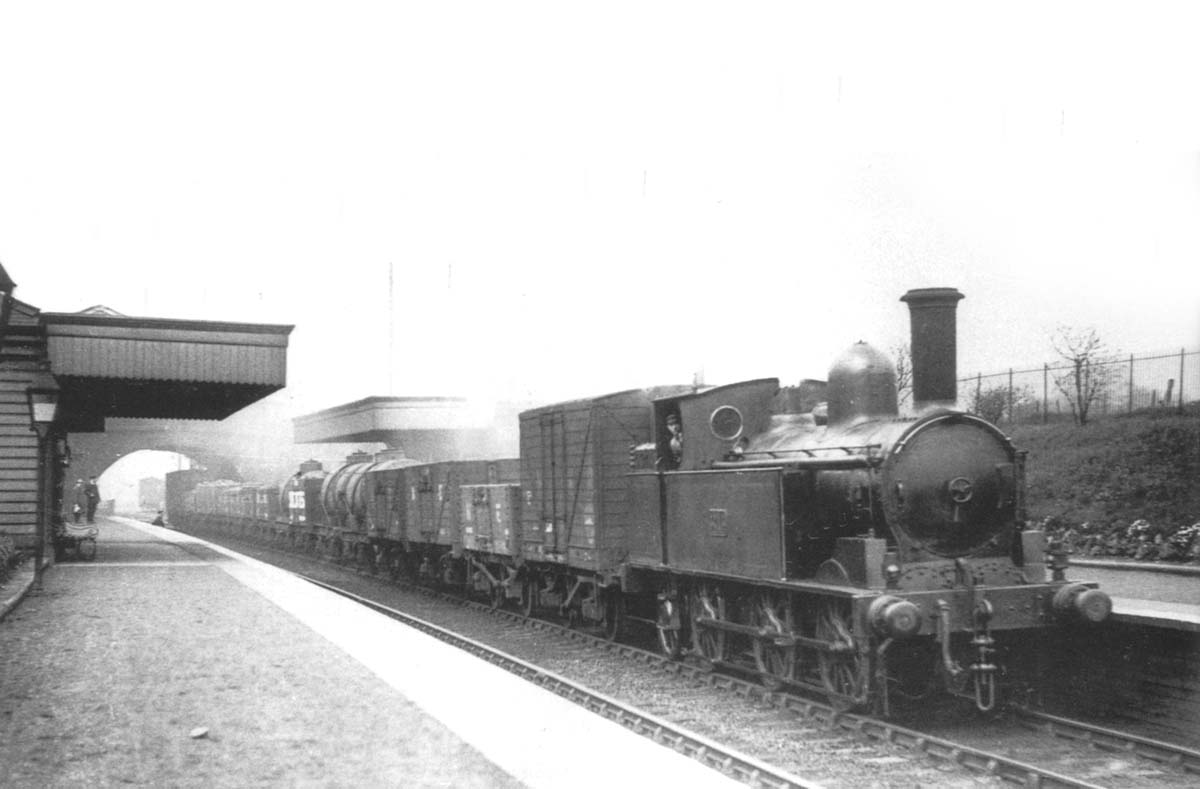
(132,564)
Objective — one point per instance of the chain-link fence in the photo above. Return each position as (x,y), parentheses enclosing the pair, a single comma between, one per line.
(1086,391)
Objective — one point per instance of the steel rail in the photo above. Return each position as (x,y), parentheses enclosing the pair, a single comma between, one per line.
(974,759)
(1109,739)
(940,749)
(710,753)
(868,727)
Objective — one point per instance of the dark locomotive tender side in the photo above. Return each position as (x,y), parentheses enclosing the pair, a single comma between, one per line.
(808,534)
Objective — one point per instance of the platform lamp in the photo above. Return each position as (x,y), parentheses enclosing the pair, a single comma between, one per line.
(43,394)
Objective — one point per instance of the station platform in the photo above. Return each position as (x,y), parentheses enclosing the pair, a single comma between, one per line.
(1144,593)
(171,661)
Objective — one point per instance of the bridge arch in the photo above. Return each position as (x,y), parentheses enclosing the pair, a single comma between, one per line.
(93,454)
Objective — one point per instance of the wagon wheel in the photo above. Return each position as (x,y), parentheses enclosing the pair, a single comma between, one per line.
(529,595)
(497,597)
(844,671)
(408,567)
(708,642)
(614,614)
(776,665)
(372,558)
(668,633)
(86,549)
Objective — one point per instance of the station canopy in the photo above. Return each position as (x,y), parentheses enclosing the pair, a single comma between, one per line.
(389,420)
(428,428)
(111,365)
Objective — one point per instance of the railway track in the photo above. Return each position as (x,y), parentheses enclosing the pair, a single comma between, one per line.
(709,752)
(1027,747)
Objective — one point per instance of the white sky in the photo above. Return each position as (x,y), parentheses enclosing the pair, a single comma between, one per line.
(581,198)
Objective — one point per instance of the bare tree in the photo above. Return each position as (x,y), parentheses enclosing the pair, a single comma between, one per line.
(1089,368)
(990,403)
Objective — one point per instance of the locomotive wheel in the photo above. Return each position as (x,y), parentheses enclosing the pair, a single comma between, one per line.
(777,665)
(844,673)
(668,637)
(708,643)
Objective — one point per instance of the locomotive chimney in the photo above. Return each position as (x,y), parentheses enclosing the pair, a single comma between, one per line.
(934,346)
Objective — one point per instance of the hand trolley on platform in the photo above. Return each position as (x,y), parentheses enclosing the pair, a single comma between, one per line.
(77,537)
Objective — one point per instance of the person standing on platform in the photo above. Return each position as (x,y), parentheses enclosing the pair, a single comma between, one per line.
(92,491)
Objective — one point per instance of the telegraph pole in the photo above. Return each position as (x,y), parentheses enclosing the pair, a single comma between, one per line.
(391,334)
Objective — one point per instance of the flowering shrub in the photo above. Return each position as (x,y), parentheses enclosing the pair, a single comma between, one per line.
(1140,540)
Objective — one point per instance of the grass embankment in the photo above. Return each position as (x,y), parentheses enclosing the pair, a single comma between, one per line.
(1115,471)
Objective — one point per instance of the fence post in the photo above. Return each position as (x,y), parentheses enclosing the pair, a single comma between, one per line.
(1131,383)
(1181,355)
(1045,393)
(1011,416)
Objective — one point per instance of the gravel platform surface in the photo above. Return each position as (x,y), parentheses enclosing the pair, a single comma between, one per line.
(170,673)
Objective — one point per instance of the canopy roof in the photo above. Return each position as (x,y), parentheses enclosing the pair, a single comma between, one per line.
(389,419)
(110,365)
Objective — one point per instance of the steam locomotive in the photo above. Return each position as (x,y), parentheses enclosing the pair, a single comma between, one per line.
(807,534)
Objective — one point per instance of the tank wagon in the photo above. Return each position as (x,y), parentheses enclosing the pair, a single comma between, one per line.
(807,534)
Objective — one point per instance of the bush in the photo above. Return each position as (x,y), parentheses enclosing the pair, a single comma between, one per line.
(9,557)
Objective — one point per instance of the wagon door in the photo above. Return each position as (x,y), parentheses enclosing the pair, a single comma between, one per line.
(550,499)
(491,518)
(554,458)
(395,504)
(445,489)
(422,506)
(476,518)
